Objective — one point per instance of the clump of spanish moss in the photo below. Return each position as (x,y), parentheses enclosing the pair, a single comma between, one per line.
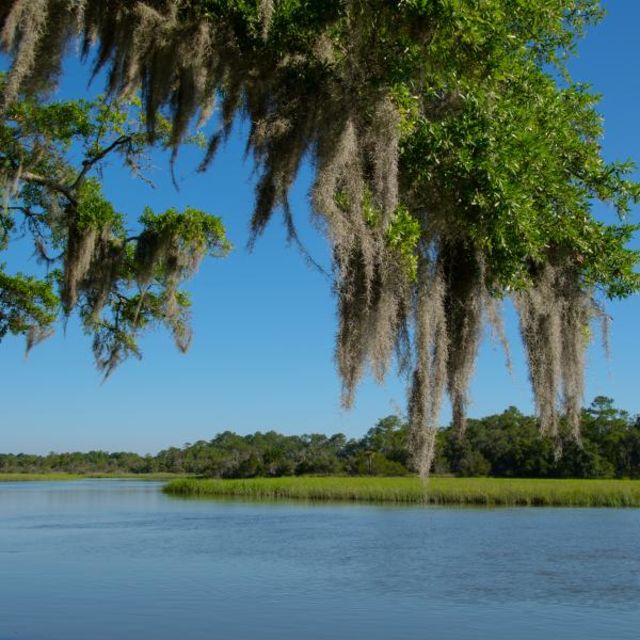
(78,256)
(24,29)
(463,304)
(163,253)
(36,335)
(266,14)
(430,374)
(555,314)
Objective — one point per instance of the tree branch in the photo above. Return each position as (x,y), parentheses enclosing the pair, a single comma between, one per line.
(88,164)
(26,211)
(52,184)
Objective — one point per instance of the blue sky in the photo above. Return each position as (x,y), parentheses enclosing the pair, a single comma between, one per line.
(262,356)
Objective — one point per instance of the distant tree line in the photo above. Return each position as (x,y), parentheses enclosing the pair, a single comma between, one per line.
(504,445)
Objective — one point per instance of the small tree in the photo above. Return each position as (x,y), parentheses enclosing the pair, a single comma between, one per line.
(121,281)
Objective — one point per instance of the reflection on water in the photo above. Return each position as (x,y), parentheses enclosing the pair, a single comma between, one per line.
(106,560)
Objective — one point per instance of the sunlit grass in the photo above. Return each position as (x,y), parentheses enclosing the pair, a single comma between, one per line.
(437,490)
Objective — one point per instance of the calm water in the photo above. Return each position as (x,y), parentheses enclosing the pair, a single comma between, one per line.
(115,560)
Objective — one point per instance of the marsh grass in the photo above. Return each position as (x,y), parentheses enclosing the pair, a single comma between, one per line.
(436,490)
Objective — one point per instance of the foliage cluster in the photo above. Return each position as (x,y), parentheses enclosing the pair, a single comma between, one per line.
(120,278)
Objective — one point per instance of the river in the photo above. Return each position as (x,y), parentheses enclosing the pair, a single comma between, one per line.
(119,560)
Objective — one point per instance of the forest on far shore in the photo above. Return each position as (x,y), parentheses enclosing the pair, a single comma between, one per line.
(504,445)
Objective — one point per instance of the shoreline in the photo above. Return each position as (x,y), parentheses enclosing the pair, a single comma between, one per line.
(62,476)
(437,490)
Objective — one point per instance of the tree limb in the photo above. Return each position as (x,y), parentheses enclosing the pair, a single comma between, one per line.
(88,164)
(52,184)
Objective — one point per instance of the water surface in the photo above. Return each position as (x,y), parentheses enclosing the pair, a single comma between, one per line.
(109,560)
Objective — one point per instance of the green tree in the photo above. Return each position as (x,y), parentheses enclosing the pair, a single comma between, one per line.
(321,454)
(616,435)
(389,437)
(120,280)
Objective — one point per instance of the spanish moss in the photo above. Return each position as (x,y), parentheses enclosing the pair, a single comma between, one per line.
(555,316)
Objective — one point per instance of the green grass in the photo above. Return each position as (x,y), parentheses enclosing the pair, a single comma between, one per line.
(437,490)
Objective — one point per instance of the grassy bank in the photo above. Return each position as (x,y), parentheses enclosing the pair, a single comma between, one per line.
(46,477)
(437,490)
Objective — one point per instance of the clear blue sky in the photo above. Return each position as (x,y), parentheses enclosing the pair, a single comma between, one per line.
(262,356)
